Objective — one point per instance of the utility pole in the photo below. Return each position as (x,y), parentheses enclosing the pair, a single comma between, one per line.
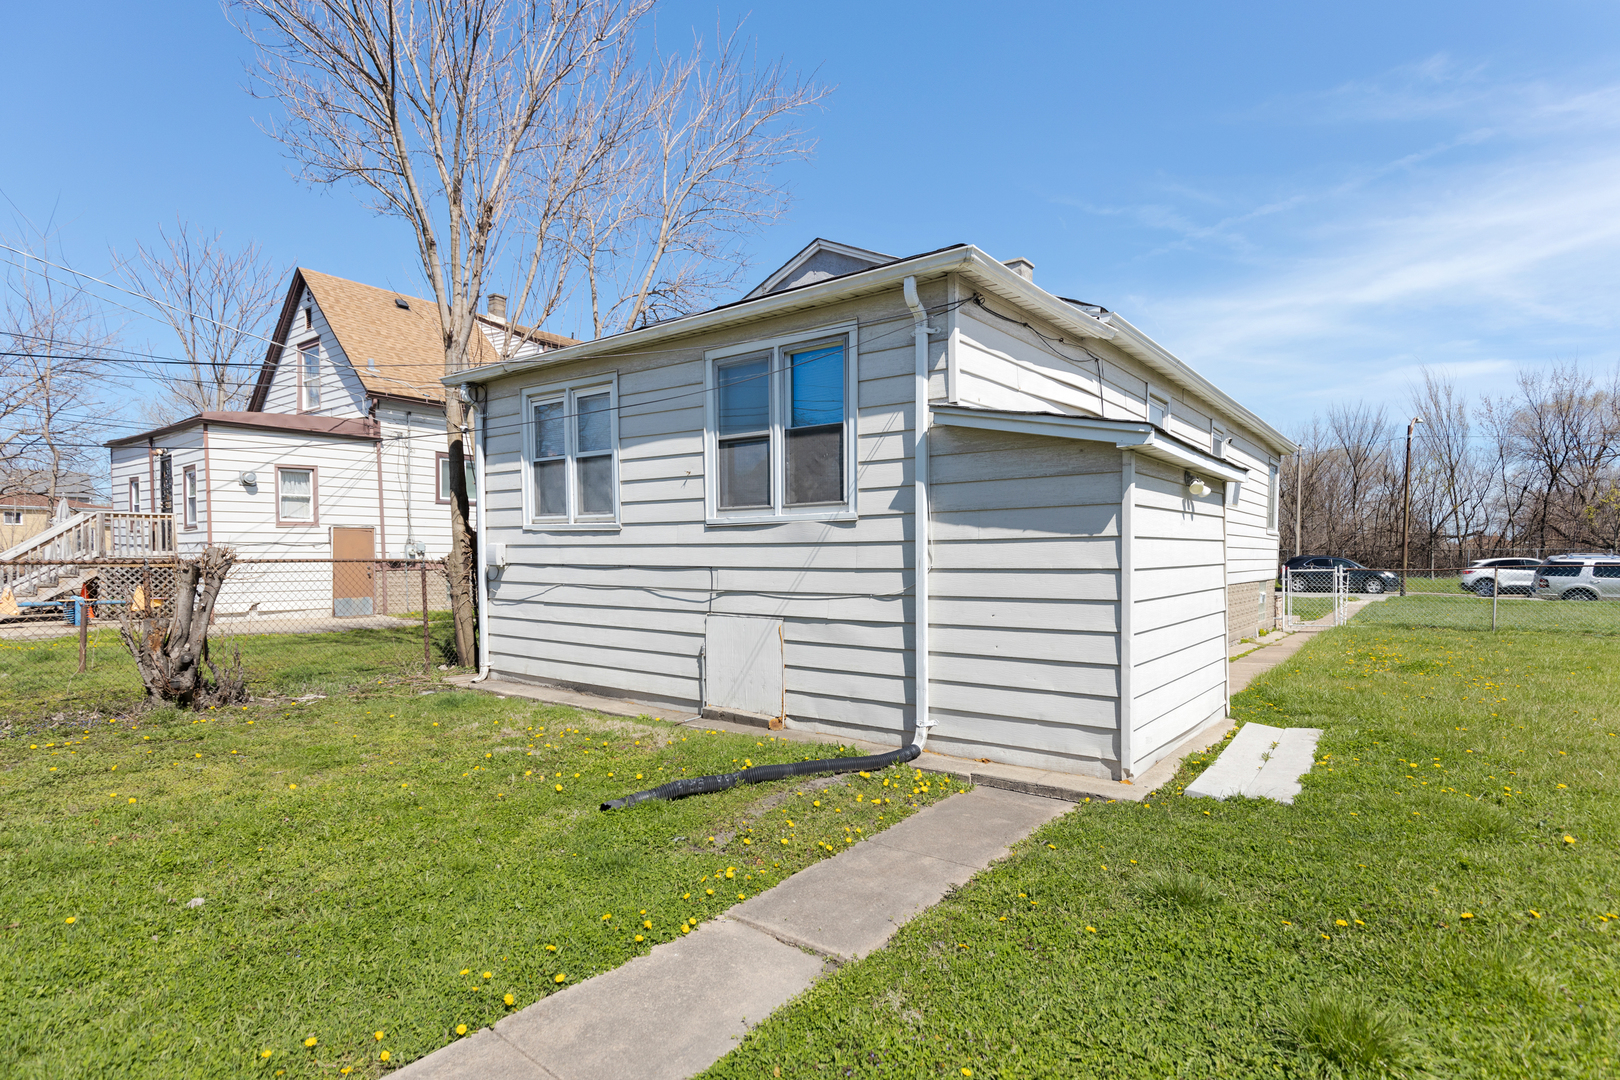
(1406,500)
(1299,499)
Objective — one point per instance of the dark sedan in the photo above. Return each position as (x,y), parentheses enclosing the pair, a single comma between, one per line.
(1314,573)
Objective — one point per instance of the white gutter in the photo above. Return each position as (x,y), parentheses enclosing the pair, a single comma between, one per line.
(483,544)
(919,512)
(967,260)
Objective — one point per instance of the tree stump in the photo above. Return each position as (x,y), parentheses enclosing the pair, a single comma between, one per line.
(171,651)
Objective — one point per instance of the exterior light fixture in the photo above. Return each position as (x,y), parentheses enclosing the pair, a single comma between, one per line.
(1195,486)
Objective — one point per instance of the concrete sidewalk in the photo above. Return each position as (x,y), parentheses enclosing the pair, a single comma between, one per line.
(679,1009)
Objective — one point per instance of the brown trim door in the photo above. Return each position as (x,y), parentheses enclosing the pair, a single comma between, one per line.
(353,583)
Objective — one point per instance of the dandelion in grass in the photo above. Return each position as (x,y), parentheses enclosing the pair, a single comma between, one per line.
(461,1029)
(510,1000)
(265,1053)
(383,1056)
(559,978)
(71,919)
(310,1042)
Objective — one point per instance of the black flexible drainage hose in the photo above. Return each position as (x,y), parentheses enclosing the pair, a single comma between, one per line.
(703,785)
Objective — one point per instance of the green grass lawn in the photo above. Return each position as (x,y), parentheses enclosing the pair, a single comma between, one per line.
(1443,899)
(377,869)
(38,678)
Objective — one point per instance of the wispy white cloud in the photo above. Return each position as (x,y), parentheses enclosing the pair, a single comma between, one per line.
(1496,245)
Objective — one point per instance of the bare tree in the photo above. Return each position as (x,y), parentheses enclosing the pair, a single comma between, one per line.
(54,367)
(700,179)
(488,124)
(218,301)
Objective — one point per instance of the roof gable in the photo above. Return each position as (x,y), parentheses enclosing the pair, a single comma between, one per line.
(396,350)
(820,260)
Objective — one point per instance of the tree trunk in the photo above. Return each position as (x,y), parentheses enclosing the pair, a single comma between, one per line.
(460,564)
(170,648)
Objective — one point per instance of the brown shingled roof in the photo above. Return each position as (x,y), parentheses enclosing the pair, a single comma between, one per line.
(406,343)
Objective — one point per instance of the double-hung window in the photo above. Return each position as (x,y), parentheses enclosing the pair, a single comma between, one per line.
(295,496)
(573,434)
(188,499)
(1271,498)
(781,429)
(134,495)
(442,481)
(309,375)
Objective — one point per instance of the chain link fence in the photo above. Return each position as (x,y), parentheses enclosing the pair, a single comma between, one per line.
(1575,594)
(299,625)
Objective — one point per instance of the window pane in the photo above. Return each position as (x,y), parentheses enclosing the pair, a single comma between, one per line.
(1606,570)
(745,473)
(595,423)
(296,489)
(312,376)
(817,379)
(472,482)
(550,488)
(548,430)
(815,465)
(1156,411)
(745,400)
(444,476)
(596,484)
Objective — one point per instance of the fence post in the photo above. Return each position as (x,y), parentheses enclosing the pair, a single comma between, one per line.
(81,608)
(427,648)
(1496,590)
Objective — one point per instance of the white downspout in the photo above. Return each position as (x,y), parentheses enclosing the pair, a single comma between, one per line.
(483,541)
(920,513)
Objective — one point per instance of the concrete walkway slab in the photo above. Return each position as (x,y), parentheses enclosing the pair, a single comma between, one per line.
(1261,762)
(663,1016)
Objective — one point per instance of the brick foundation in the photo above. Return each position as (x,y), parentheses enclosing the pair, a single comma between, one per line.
(1250,608)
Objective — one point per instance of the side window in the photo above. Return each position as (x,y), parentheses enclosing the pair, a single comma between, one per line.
(1606,570)
(134,495)
(295,496)
(441,480)
(1271,499)
(573,438)
(189,496)
(1158,408)
(309,375)
(781,430)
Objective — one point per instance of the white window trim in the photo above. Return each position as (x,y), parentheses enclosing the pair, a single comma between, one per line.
(776,346)
(1273,497)
(569,392)
(189,499)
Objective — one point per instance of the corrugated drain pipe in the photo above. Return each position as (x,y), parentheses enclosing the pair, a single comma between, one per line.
(704,785)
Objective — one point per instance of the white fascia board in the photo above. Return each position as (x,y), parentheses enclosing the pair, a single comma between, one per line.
(1122,434)
(966,260)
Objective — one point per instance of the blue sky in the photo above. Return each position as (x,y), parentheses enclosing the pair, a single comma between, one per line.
(1305,202)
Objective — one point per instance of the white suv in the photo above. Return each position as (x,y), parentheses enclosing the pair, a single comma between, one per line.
(1489,576)
(1578,577)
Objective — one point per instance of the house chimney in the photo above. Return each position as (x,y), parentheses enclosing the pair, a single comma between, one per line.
(1022,267)
(497,306)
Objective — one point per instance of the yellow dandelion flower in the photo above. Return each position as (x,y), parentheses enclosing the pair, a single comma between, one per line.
(466,971)
(1467,915)
(1340,922)
(487,974)
(461,1029)
(383,1056)
(509,999)
(265,1053)
(310,1042)
(70,919)
(560,977)
(551,948)
(1569,839)
(1089,929)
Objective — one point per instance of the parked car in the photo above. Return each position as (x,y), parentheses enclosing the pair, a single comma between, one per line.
(1314,573)
(1489,576)
(1578,577)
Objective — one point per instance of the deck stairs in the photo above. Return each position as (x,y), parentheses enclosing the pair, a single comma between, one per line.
(60,561)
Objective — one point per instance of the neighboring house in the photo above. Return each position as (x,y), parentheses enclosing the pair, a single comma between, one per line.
(718,511)
(24,516)
(340,453)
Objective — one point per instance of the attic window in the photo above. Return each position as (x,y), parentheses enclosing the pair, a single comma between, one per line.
(401,302)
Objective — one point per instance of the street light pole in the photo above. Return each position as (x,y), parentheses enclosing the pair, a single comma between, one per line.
(1406,501)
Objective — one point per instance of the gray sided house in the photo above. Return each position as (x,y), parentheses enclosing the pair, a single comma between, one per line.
(721,511)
